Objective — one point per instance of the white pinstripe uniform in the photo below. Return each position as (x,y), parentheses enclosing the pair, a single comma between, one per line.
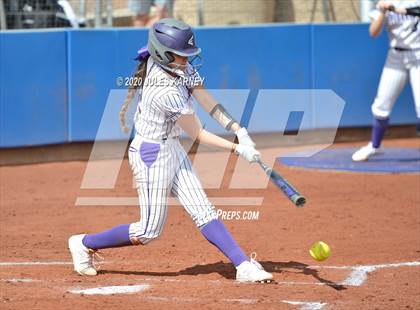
(160,164)
(403,60)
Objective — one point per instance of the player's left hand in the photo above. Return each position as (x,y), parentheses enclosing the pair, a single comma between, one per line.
(244,138)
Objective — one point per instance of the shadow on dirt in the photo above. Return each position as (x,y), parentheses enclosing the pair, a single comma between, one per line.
(301,269)
(227,271)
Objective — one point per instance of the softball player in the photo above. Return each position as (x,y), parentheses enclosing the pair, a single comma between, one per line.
(160,164)
(403,62)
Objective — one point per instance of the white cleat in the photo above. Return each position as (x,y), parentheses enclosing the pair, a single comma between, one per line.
(252,271)
(82,256)
(365,152)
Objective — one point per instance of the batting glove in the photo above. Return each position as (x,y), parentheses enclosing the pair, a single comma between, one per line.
(249,153)
(243,137)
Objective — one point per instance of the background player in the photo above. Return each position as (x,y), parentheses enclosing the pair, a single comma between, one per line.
(141,9)
(160,164)
(403,62)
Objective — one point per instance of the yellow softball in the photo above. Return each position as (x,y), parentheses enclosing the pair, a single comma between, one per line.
(320,251)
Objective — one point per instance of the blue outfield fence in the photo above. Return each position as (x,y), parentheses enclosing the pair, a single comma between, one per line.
(54,85)
(33,88)
(95,60)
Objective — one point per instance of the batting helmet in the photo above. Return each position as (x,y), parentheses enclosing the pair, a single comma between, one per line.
(168,36)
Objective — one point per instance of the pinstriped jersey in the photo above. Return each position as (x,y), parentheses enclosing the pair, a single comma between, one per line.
(164,99)
(403,30)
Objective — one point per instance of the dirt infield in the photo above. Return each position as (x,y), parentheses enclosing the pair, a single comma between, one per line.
(371,222)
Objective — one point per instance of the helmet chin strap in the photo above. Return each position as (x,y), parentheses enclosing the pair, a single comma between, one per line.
(178,71)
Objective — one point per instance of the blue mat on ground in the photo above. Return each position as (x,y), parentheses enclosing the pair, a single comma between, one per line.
(392,160)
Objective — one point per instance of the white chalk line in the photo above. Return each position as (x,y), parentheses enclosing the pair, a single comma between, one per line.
(359,274)
(212,282)
(23,280)
(190,281)
(45,263)
(131,289)
(224,282)
(313,305)
(305,305)
(357,277)
(377,266)
(111,290)
(34,263)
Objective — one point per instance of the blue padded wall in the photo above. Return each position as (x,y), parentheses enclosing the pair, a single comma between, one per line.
(33,88)
(348,61)
(54,85)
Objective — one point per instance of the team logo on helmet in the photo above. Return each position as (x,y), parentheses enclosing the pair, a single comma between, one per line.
(191,41)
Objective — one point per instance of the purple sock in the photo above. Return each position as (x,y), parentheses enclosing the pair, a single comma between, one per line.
(217,234)
(112,238)
(378,131)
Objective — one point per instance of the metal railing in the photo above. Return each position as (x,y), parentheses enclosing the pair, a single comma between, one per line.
(26,14)
(31,14)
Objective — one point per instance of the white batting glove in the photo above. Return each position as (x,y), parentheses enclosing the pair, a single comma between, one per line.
(249,153)
(243,137)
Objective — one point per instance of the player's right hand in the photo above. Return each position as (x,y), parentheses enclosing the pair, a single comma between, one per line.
(248,152)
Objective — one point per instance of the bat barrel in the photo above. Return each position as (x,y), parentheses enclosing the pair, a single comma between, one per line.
(286,187)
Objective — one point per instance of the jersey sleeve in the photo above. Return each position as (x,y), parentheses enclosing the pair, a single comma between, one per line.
(175,104)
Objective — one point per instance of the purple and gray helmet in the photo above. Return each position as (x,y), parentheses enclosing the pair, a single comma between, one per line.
(171,35)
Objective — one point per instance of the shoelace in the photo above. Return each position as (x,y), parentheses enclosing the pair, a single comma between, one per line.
(254,261)
(253,256)
(95,259)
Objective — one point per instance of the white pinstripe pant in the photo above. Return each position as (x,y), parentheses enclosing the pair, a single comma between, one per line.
(399,66)
(171,171)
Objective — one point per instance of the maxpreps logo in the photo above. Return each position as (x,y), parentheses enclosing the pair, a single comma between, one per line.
(238,215)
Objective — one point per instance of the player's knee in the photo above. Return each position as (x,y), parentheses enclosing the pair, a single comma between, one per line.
(204,216)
